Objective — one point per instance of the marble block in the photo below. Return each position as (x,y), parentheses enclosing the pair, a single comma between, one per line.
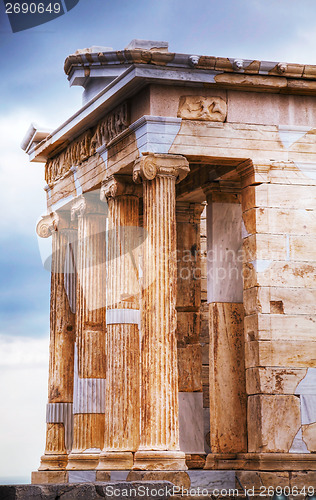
(298,445)
(119,475)
(212,479)
(191,425)
(81,476)
(308,409)
(224,247)
(308,384)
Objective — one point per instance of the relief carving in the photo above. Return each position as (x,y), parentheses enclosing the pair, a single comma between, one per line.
(86,145)
(212,109)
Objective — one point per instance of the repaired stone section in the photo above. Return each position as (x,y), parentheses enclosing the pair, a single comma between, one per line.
(270,380)
(273,422)
(178,478)
(308,384)
(189,368)
(248,479)
(309,436)
(298,445)
(202,108)
(122,490)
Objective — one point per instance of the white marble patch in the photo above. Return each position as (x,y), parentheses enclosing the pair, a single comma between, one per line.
(298,445)
(261,265)
(191,425)
(308,409)
(62,413)
(289,134)
(82,476)
(211,479)
(206,418)
(89,393)
(224,252)
(118,316)
(308,384)
(119,475)
(76,181)
(155,133)
(308,169)
(103,152)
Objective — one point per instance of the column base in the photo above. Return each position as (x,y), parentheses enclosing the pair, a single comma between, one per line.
(83,461)
(53,462)
(116,460)
(159,460)
(262,461)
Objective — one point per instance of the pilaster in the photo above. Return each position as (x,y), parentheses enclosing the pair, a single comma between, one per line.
(228,425)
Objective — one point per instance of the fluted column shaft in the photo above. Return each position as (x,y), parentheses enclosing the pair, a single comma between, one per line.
(122,331)
(61,350)
(89,384)
(159,447)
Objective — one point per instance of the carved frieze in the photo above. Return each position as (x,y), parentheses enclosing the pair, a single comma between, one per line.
(193,107)
(86,145)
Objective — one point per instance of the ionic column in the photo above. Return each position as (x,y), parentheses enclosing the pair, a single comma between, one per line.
(89,384)
(122,330)
(159,447)
(61,351)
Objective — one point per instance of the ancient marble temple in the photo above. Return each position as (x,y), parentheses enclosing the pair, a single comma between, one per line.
(181,207)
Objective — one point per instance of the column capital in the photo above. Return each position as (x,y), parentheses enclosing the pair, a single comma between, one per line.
(47,225)
(87,204)
(151,165)
(119,185)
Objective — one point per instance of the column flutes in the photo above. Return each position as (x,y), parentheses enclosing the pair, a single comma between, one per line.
(61,350)
(89,364)
(122,320)
(159,446)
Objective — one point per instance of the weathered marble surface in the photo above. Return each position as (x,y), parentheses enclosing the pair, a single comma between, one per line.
(81,476)
(308,384)
(212,479)
(224,247)
(298,445)
(191,426)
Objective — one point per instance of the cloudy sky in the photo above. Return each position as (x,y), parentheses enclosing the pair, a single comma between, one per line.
(33,88)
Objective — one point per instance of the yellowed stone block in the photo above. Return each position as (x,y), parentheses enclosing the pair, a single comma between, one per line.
(291,354)
(227,379)
(273,422)
(190,368)
(280,221)
(178,478)
(302,248)
(280,326)
(277,300)
(303,478)
(188,328)
(49,477)
(281,274)
(264,246)
(309,436)
(277,196)
(273,380)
